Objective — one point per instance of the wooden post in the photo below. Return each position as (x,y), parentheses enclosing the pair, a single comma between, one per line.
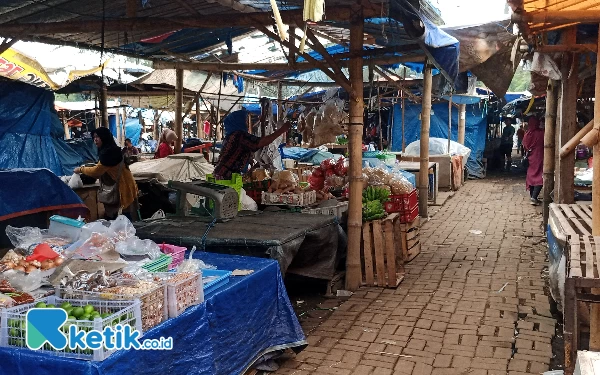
(402,96)
(595,309)
(178,109)
(199,122)
(120,135)
(568,118)
(124,118)
(279,101)
(353,269)
(462,120)
(449,123)
(549,143)
(423,182)
(103,106)
(65,125)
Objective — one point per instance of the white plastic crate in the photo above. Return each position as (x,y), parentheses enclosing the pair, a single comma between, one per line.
(304,199)
(183,293)
(337,210)
(12,326)
(153,306)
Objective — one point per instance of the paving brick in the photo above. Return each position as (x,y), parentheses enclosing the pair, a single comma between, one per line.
(442,360)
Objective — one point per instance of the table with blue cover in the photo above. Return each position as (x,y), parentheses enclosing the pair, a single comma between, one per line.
(238,323)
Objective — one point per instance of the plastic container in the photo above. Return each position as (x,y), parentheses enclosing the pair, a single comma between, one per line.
(303,199)
(409,216)
(12,329)
(402,203)
(183,293)
(337,210)
(235,183)
(176,252)
(153,306)
(161,264)
(211,286)
(61,226)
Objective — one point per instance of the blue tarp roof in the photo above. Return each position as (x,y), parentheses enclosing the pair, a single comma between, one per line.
(31,135)
(475,130)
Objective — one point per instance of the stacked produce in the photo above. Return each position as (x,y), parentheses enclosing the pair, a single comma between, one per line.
(373,200)
(380,177)
(329,176)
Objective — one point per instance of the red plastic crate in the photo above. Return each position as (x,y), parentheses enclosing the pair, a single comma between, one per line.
(402,203)
(409,216)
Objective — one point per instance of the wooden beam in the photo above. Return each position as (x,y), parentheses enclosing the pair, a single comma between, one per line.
(162,24)
(355,132)
(6,44)
(575,48)
(317,46)
(178,109)
(400,86)
(423,183)
(103,106)
(549,147)
(558,16)
(318,64)
(570,146)
(595,309)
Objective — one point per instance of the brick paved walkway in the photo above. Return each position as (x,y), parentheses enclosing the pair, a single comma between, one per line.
(470,303)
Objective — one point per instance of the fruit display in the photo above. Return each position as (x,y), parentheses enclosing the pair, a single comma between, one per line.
(80,313)
(380,177)
(16,262)
(373,200)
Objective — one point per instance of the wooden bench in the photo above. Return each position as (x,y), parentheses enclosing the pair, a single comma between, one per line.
(582,274)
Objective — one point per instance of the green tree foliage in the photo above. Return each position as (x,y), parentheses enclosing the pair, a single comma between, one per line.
(520,81)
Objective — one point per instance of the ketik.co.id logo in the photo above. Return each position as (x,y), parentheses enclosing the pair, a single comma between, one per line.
(44,325)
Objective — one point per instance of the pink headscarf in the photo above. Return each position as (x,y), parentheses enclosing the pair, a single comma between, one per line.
(168,136)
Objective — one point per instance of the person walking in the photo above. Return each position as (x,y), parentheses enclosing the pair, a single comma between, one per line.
(533,143)
(520,136)
(506,143)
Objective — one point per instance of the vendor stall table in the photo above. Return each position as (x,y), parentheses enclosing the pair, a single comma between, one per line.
(415,168)
(303,244)
(238,323)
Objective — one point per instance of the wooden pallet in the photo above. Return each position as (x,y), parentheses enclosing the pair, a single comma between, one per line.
(410,239)
(572,219)
(382,259)
(582,276)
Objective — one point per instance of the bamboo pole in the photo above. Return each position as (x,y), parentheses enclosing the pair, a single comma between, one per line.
(178,109)
(462,119)
(124,118)
(279,101)
(353,269)
(403,112)
(199,122)
(595,308)
(558,16)
(549,144)
(424,152)
(65,125)
(118,126)
(103,107)
(570,146)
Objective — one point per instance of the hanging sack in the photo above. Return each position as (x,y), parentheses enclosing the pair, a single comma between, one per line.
(108,193)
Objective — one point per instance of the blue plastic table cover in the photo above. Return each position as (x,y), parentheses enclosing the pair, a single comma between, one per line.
(237,324)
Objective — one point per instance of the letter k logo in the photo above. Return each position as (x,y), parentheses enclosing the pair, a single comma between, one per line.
(43,326)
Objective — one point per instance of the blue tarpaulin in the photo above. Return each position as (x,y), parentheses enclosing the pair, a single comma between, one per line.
(237,324)
(17,198)
(475,130)
(133,129)
(31,135)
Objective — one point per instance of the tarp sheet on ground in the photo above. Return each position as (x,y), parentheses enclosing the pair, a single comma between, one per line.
(237,324)
(17,198)
(475,130)
(31,135)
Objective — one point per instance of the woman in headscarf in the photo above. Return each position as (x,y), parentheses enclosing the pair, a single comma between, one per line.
(164,149)
(239,146)
(533,143)
(110,168)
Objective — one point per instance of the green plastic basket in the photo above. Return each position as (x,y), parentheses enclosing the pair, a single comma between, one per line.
(160,264)
(235,183)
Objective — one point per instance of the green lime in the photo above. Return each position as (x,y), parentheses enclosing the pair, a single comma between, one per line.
(71,317)
(13,323)
(84,317)
(65,305)
(88,309)
(78,312)
(51,306)
(40,305)
(14,332)
(104,315)
(69,310)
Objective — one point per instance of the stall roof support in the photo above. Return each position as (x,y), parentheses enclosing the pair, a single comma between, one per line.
(549,146)
(423,182)
(178,109)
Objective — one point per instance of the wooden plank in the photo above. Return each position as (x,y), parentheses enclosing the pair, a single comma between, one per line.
(596,246)
(587,209)
(574,261)
(582,215)
(379,257)
(414,251)
(390,252)
(589,258)
(368,253)
(574,219)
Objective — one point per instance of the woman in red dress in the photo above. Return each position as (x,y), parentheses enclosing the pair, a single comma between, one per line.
(167,138)
(533,143)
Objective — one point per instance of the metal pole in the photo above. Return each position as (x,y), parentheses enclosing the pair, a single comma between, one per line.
(449,123)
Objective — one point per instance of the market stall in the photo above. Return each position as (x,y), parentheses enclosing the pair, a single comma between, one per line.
(223,312)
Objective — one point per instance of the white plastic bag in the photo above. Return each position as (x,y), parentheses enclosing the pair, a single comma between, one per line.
(24,237)
(24,282)
(123,228)
(248,204)
(75,181)
(135,246)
